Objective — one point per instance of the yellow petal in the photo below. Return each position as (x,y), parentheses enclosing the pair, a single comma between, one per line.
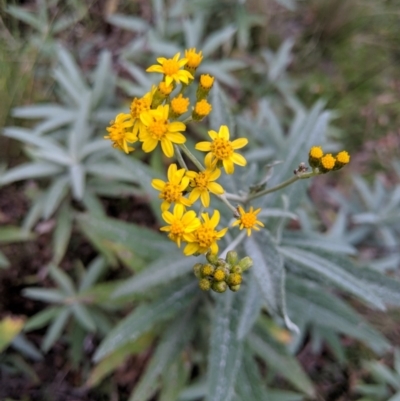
(205,198)
(203,146)
(149,145)
(224,132)
(172,169)
(215,188)
(228,166)
(175,137)
(215,218)
(213,134)
(167,147)
(157,184)
(176,126)
(191,248)
(239,143)
(238,159)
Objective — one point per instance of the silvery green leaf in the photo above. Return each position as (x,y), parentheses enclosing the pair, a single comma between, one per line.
(386,288)
(159,15)
(54,195)
(95,269)
(318,306)
(144,317)
(62,233)
(58,121)
(365,218)
(4,262)
(82,315)
(55,329)
(77,178)
(281,60)
(26,16)
(29,171)
(250,307)
(81,130)
(396,397)
(46,110)
(134,49)
(193,29)
(275,128)
(142,241)
(217,39)
(34,214)
(383,374)
(68,89)
(161,47)
(28,137)
(114,189)
(62,279)
(282,395)
(221,114)
(160,272)
(69,65)
(64,22)
(290,5)
(27,348)
(364,192)
(194,391)
(9,233)
(42,318)
(250,384)
(110,171)
(173,340)
(334,274)
(93,204)
(51,155)
(134,24)
(274,354)
(385,264)
(225,356)
(44,294)
(102,76)
(270,274)
(138,74)
(94,146)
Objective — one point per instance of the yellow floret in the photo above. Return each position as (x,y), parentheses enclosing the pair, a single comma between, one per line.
(316,152)
(207,270)
(327,163)
(204,284)
(343,157)
(235,279)
(219,275)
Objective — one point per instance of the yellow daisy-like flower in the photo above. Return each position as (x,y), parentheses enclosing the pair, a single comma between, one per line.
(171,68)
(172,190)
(159,129)
(120,132)
(179,106)
(205,237)
(193,59)
(139,106)
(203,183)
(180,224)
(222,149)
(248,220)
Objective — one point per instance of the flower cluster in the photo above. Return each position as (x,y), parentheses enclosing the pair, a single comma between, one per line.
(159,118)
(220,274)
(327,162)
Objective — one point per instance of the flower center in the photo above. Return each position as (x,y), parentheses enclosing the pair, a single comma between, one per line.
(158,129)
(206,236)
(221,148)
(201,180)
(248,220)
(177,228)
(170,67)
(171,193)
(138,106)
(117,132)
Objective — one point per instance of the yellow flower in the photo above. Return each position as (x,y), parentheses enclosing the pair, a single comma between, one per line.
(171,68)
(205,237)
(327,163)
(222,149)
(139,106)
(206,81)
(342,158)
(201,110)
(203,183)
(171,191)
(179,105)
(159,129)
(180,224)
(193,59)
(120,132)
(248,220)
(314,156)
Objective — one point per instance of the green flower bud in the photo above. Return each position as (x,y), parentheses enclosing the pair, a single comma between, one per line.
(232,257)
(197,269)
(237,269)
(207,270)
(246,263)
(234,288)
(234,279)
(213,259)
(204,284)
(219,286)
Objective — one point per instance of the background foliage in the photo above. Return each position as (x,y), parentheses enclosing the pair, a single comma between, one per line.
(92,291)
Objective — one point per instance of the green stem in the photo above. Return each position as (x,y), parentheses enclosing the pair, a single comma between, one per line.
(233,244)
(283,184)
(180,158)
(227,203)
(192,157)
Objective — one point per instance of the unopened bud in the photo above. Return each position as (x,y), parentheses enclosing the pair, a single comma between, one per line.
(219,286)
(232,257)
(197,270)
(207,270)
(234,288)
(212,258)
(246,263)
(204,284)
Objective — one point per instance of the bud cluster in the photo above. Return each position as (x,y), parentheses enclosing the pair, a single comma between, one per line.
(219,274)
